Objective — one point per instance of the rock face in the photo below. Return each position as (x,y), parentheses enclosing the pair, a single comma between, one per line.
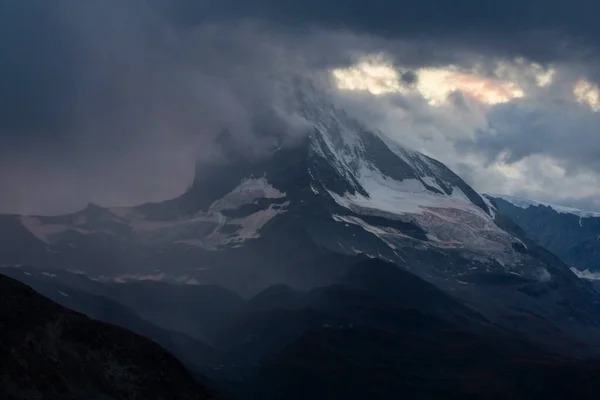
(571,234)
(47,351)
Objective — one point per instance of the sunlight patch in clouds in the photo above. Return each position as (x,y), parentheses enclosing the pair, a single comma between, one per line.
(510,171)
(436,84)
(376,77)
(433,84)
(587,93)
(543,77)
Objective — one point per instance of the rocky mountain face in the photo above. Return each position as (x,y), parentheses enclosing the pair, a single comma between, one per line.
(572,235)
(50,352)
(316,252)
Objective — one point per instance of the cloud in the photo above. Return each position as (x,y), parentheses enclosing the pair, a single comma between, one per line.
(113,101)
(564,132)
(522,130)
(32,98)
(532,28)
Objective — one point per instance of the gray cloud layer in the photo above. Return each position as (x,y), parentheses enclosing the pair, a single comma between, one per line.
(112,100)
(536,28)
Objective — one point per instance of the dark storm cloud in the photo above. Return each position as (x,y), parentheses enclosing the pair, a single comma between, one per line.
(48,49)
(536,28)
(113,101)
(99,73)
(403,17)
(37,68)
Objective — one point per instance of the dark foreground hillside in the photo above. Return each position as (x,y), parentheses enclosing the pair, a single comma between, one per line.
(49,352)
(371,363)
(380,333)
(385,334)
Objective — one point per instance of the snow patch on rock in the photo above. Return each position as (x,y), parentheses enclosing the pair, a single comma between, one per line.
(248,191)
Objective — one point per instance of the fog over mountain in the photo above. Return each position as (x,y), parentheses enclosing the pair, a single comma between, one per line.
(112,102)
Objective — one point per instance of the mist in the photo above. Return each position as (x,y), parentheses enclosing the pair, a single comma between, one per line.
(127,99)
(117,102)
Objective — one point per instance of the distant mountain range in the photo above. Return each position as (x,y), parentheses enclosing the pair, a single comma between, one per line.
(571,234)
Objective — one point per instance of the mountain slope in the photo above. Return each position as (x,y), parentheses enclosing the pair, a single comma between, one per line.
(302,215)
(47,351)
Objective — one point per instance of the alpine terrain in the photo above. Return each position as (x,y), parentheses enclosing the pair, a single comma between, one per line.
(341,266)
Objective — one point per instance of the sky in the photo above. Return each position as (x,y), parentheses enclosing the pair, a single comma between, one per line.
(114,101)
